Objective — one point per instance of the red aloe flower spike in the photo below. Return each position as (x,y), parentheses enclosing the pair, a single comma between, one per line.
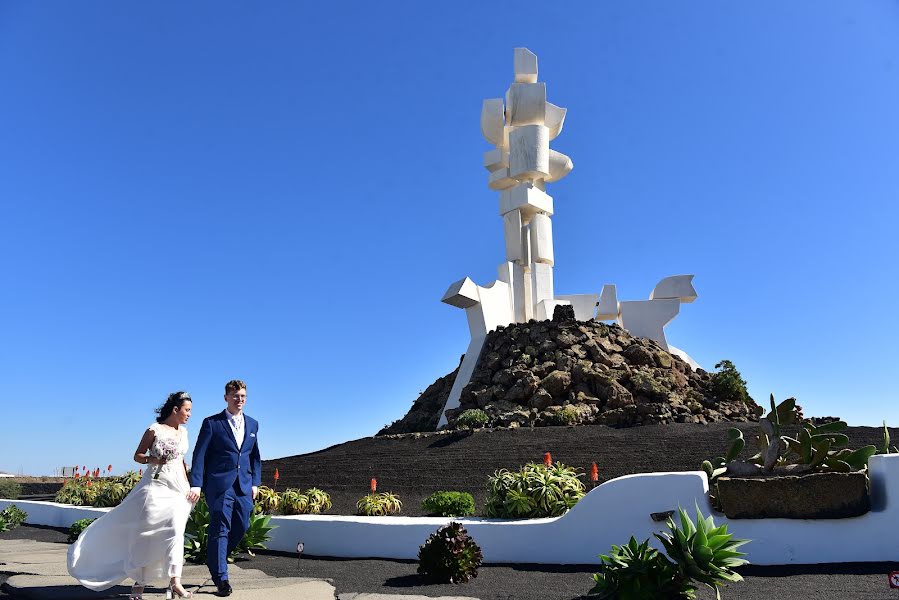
(141,472)
(84,469)
(548,459)
(277,475)
(594,473)
(76,467)
(374,485)
(77,475)
(109,468)
(88,483)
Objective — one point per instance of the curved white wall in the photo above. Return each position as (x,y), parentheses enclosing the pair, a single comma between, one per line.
(608,515)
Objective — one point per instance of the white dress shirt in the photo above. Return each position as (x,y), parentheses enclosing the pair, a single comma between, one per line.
(237,427)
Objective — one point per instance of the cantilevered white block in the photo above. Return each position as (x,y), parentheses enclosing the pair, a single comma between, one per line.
(525,64)
(584,305)
(675,286)
(647,318)
(462,294)
(516,241)
(559,166)
(684,356)
(492,120)
(500,180)
(541,234)
(554,120)
(529,152)
(496,159)
(526,198)
(541,282)
(545,309)
(493,310)
(608,303)
(526,104)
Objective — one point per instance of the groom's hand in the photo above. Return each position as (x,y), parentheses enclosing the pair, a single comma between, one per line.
(193,495)
(255,492)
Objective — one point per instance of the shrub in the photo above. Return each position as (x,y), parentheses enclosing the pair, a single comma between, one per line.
(449,555)
(77,527)
(97,491)
(13,516)
(566,415)
(728,385)
(379,504)
(196,534)
(696,553)
(449,504)
(636,572)
(10,490)
(472,418)
(534,491)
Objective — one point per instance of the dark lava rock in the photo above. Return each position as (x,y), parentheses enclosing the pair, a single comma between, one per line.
(811,496)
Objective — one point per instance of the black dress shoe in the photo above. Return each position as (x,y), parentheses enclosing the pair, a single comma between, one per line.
(224,588)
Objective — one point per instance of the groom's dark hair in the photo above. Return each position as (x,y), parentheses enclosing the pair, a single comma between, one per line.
(234,385)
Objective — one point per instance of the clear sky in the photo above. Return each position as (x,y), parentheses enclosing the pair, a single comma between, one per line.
(282,191)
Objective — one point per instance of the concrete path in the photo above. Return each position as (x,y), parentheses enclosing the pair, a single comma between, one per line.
(38,571)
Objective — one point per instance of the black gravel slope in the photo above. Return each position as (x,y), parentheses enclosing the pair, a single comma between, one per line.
(416,466)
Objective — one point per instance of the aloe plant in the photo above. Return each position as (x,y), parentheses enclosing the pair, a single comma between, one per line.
(536,490)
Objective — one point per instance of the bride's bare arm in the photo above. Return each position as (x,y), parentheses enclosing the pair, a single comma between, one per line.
(140,455)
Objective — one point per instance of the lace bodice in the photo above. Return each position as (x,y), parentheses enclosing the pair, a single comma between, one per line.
(167,440)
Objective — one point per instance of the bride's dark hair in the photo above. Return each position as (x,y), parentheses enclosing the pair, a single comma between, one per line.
(176,399)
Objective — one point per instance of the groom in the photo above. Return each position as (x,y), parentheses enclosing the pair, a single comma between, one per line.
(228,469)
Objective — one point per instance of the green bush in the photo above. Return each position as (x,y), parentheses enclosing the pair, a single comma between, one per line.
(379,504)
(728,385)
(449,504)
(97,491)
(196,534)
(697,553)
(636,572)
(12,516)
(566,415)
(449,555)
(472,418)
(534,491)
(10,490)
(77,527)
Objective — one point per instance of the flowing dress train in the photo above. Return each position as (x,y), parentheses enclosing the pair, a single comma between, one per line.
(143,537)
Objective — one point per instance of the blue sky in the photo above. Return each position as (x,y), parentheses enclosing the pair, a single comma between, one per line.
(282,192)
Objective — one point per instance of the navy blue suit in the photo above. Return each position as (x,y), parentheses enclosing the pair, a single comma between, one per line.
(227,475)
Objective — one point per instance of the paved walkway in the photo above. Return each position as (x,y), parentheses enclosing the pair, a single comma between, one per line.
(38,571)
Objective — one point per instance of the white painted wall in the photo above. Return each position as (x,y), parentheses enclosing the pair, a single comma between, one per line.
(608,515)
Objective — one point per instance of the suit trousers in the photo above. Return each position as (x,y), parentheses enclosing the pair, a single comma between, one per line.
(228,522)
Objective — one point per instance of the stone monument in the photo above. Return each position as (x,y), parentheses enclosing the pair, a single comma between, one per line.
(521,126)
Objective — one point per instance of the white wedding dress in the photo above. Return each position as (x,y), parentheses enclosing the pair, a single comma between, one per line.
(142,538)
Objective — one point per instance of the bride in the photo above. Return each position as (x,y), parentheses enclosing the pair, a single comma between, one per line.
(143,538)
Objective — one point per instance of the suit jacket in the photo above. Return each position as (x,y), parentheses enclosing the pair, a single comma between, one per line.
(218,462)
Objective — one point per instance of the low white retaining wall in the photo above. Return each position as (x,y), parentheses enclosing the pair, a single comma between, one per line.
(608,515)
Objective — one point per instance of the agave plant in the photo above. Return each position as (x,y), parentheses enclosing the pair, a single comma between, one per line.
(379,504)
(537,490)
(256,536)
(703,552)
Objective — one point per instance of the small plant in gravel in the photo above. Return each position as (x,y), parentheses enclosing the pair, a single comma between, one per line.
(11,517)
(77,527)
(566,415)
(449,555)
(379,504)
(473,418)
(697,553)
(547,490)
(10,490)
(449,504)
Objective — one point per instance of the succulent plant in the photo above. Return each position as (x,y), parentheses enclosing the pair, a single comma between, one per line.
(450,555)
(636,571)
(537,490)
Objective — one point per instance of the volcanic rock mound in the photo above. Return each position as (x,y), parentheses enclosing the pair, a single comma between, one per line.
(568,372)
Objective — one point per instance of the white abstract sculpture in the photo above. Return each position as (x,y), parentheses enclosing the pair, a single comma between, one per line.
(521,126)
